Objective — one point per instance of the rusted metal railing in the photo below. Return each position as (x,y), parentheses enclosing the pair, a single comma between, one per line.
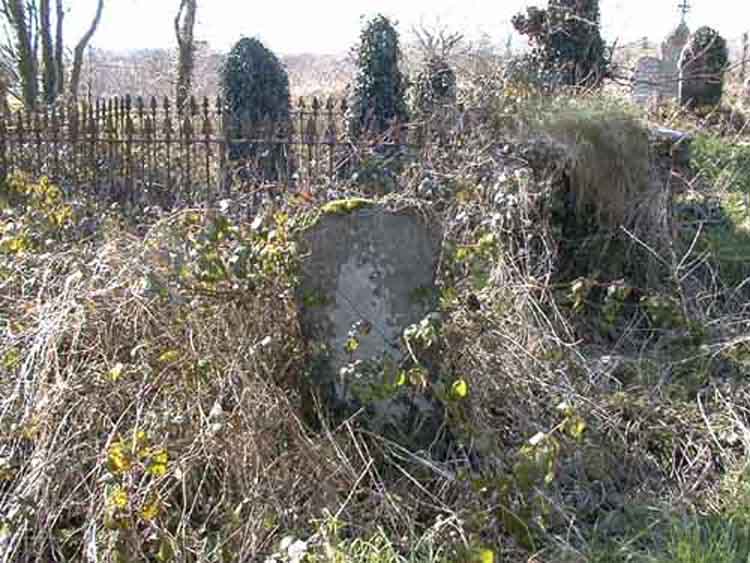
(132,148)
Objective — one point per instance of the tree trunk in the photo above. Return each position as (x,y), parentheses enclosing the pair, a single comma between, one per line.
(79,51)
(59,62)
(27,66)
(184,25)
(4,109)
(49,77)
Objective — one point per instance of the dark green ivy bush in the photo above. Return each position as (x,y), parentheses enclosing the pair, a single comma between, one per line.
(434,87)
(702,65)
(255,88)
(377,96)
(566,41)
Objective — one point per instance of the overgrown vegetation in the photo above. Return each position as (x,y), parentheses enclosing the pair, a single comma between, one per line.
(593,362)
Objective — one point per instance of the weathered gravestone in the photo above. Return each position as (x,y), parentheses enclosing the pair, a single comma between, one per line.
(671,49)
(702,66)
(647,80)
(369,273)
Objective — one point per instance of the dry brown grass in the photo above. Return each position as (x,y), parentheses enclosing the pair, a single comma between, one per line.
(109,364)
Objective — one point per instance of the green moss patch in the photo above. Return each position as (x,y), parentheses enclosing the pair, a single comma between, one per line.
(344,206)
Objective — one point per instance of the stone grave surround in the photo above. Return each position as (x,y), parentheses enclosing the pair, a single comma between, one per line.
(370,273)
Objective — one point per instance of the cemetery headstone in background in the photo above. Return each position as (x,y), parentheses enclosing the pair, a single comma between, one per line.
(671,49)
(369,274)
(658,78)
(647,80)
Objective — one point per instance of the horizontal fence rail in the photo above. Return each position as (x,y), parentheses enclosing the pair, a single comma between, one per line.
(131,148)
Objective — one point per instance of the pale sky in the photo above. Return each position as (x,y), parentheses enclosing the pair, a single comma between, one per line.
(326,26)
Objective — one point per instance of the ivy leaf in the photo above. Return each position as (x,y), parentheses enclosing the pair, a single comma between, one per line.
(165,553)
(115,373)
(158,463)
(460,389)
(401,379)
(575,426)
(484,556)
(118,459)
(169,356)
(151,509)
(140,443)
(351,346)
(119,498)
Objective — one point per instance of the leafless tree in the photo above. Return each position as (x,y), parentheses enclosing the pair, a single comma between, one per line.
(80,49)
(27,24)
(20,19)
(49,72)
(184,25)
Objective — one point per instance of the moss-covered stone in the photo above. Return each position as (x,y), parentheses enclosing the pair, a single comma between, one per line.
(345,206)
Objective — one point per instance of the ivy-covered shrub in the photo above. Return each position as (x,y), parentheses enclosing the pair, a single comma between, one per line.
(435,86)
(702,66)
(255,87)
(566,41)
(377,96)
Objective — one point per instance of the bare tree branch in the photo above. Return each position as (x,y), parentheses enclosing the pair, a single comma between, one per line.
(49,71)
(20,21)
(75,75)
(59,47)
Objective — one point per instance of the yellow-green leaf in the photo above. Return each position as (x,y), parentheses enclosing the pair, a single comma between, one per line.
(575,426)
(119,498)
(159,462)
(169,356)
(140,444)
(165,553)
(118,458)
(11,359)
(460,389)
(7,473)
(351,345)
(116,372)
(151,509)
(565,408)
(401,379)
(484,556)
